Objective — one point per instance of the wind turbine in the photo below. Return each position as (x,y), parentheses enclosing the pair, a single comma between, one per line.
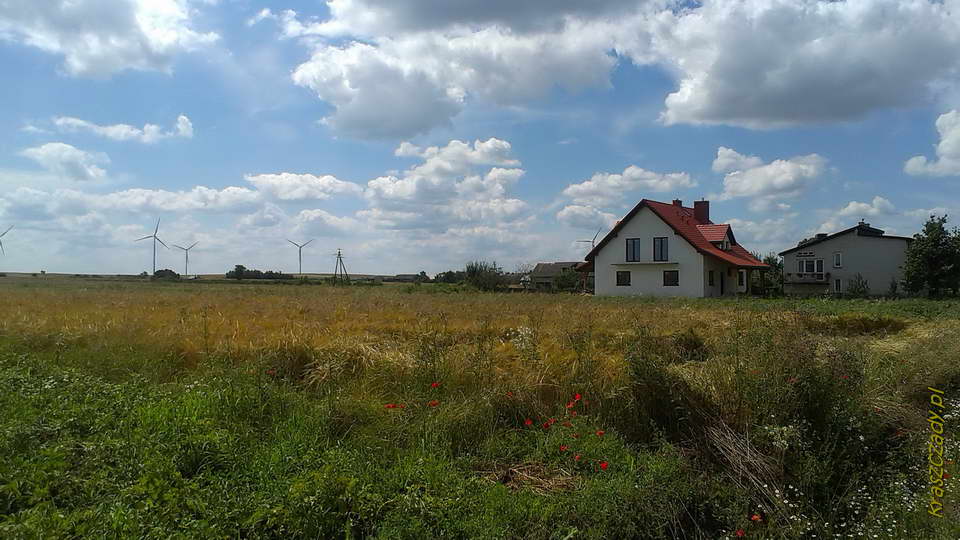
(300,252)
(155,240)
(1,241)
(186,254)
(594,241)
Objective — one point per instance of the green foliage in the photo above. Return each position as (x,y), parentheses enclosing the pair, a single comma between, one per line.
(567,281)
(242,272)
(484,276)
(858,287)
(933,259)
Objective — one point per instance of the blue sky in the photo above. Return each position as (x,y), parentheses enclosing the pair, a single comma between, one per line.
(419,135)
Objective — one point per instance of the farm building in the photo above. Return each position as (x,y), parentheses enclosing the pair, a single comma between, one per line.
(829,263)
(664,249)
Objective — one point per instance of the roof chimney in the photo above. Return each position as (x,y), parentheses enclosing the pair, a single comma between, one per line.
(677,202)
(701,211)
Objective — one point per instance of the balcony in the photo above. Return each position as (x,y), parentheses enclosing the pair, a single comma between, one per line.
(796,278)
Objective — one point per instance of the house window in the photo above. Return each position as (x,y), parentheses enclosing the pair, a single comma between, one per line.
(836,286)
(710,278)
(837,260)
(671,278)
(741,278)
(623,278)
(633,249)
(809,266)
(660,249)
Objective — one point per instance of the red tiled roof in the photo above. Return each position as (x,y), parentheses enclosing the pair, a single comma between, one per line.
(714,233)
(682,221)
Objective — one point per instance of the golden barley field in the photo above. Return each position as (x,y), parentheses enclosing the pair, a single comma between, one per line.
(265,410)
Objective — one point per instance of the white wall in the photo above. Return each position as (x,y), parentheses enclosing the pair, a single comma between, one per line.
(719,268)
(647,279)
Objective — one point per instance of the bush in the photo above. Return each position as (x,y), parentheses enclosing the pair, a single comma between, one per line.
(484,276)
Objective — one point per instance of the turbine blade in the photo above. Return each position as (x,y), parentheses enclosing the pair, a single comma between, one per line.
(308,241)
(179,247)
(6,231)
(144,238)
(155,231)
(294,243)
(193,244)
(1,247)
(598,234)
(161,241)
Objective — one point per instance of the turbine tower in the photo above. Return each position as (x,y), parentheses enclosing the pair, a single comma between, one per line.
(186,255)
(155,240)
(300,252)
(1,241)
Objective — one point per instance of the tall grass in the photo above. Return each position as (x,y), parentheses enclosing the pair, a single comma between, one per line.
(259,411)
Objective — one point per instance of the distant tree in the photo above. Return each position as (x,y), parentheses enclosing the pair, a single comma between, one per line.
(451,276)
(933,259)
(771,279)
(566,281)
(484,276)
(237,272)
(422,277)
(167,274)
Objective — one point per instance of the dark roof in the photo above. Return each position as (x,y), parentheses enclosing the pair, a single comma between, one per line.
(552,269)
(862,229)
(681,219)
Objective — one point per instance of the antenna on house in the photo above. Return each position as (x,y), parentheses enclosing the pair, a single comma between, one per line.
(340,271)
(155,240)
(186,254)
(1,241)
(593,242)
(300,252)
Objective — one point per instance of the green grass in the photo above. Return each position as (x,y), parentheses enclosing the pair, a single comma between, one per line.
(159,410)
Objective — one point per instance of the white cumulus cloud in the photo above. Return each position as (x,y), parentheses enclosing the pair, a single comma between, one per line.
(148,134)
(768,185)
(606,188)
(297,187)
(69,162)
(948,150)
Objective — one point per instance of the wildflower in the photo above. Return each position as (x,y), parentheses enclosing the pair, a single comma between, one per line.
(509,394)
(567,424)
(576,397)
(946,476)
(576,435)
(793,380)
(600,432)
(390,406)
(433,403)
(434,385)
(741,533)
(571,404)
(563,448)
(603,465)
(528,422)
(552,421)
(576,457)
(546,425)
(844,377)
(756,517)
(573,413)
(271,372)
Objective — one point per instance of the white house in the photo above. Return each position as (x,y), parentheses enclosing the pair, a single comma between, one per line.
(829,263)
(663,249)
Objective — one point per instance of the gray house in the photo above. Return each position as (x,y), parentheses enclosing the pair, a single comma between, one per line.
(827,263)
(544,275)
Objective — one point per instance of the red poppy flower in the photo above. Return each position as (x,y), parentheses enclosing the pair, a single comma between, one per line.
(946,476)
(792,380)
(576,457)
(552,421)
(433,403)
(546,425)
(563,448)
(844,377)
(600,433)
(390,406)
(603,465)
(576,397)
(434,384)
(741,532)
(400,405)
(271,372)
(573,413)
(528,422)
(509,394)
(567,424)
(756,517)
(570,405)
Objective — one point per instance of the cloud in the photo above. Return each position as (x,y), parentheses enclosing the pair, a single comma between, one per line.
(877,207)
(948,150)
(298,187)
(270,215)
(318,222)
(767,185)
(149,134)
(606,188)
(585,217)
(97,38)
(69,162)
(767,235)
(774,63)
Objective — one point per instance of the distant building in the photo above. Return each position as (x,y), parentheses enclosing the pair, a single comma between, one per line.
(827,263)
(664,249)
(544,275)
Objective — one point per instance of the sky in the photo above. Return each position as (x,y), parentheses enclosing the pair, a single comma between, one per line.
(418,135)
